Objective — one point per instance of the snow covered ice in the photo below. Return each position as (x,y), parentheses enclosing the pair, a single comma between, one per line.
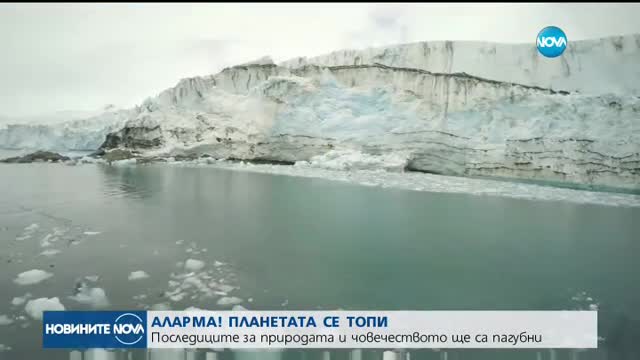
(94,297)
(231,300)
(193,265)
(34,308)
(50,252)
(19,300)
(32,277)
(138,275)
(437,183)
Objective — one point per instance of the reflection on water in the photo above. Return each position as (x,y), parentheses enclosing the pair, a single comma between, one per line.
(277,242)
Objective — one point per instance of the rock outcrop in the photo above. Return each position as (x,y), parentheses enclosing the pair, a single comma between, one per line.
(38,156)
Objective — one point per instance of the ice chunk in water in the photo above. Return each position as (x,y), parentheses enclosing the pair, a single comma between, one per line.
(225,288)
(230,300)
(5,320)
(32,228)
(4,347)
(390,355)
(91,233)
(160,307)
(100,354)
(94,297)
(34,308)
(193,308)
(17,301)
(138,275)
(50,252)
(239,308)
(47,240)
(177,297)
(32,277)
(193,265)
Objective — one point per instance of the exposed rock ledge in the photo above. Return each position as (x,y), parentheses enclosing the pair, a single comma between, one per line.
(38,156)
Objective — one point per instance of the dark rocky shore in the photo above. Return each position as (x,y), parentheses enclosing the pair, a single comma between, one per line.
(38,156)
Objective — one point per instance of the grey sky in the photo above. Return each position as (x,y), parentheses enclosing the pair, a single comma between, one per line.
(83,56)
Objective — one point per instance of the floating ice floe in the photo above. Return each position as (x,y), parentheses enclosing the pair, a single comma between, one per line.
(225,288)
(19,300)
(92,278)
(5,320)
(442,184)
(34,308)
(50,252)
(193,265)
(94,297)
(193,308)
(582,301)
(176,297)
(32,277)
(32,227)
(49,239)
(91,233)
(138,275)
(124,162)
(229,300)
(28,232)
(4,347)
(239,308)
(160,307)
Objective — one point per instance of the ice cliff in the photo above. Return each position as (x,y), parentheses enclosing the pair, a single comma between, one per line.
(592,66)
(79,134)
(460,108)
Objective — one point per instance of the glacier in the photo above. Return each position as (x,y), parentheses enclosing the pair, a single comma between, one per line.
(59,135)
(454,108)
(597,66)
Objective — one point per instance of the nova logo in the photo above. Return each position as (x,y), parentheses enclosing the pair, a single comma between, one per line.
(551,41)
(128,329)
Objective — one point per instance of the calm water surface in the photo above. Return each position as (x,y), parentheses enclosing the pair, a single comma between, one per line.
(278,242)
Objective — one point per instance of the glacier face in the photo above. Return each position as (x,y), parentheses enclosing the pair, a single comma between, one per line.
(589,66)
(82,134)
(454,124)
(461,108)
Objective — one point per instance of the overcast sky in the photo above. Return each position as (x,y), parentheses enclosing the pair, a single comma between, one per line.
(83,56)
